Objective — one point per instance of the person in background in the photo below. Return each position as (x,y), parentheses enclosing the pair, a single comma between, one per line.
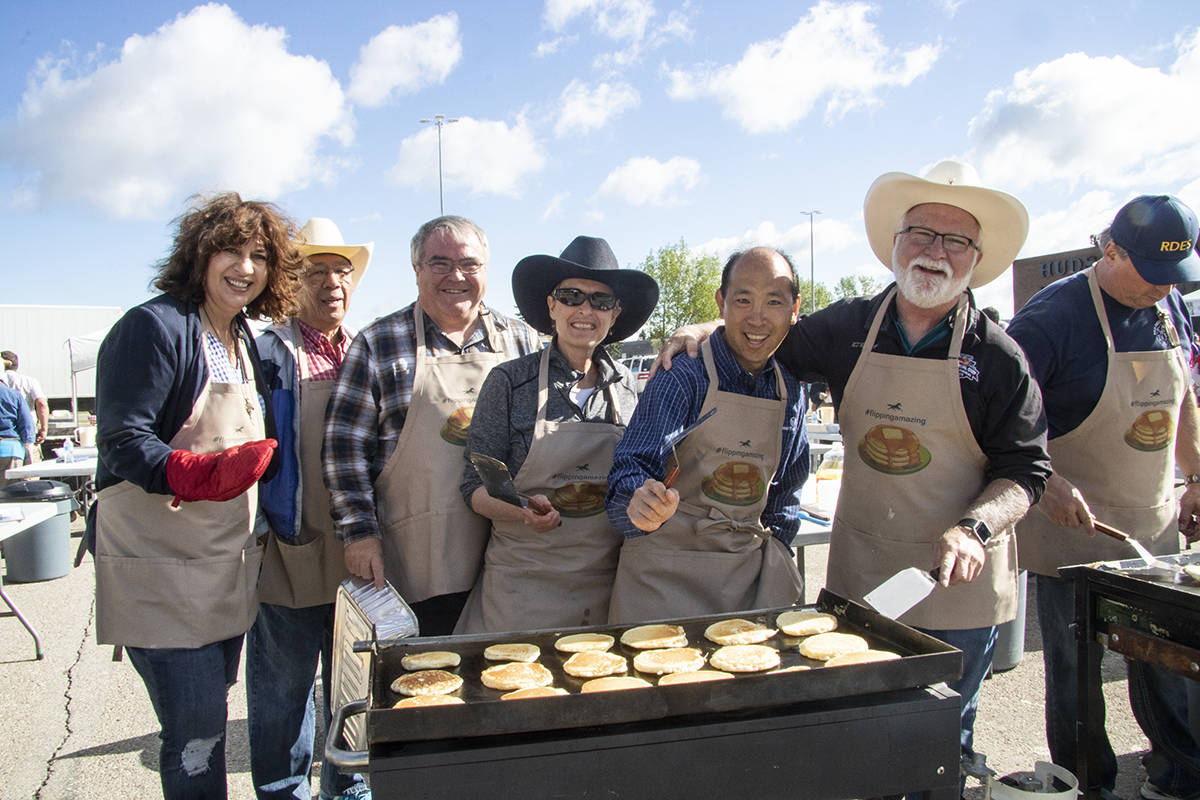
(303,563)
(554,418)
(35,398)
(399,417)
(180,402)
(16,430)
(1110,347)
(718,540)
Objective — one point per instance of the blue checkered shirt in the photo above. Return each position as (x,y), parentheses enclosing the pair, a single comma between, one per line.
(369,404)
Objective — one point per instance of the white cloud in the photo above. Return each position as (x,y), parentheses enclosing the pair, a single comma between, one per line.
(830,235)
(554,208)
(552,46)
(482,156)
(584,110)
(617,19)
(403,59)
(649,182)
(1097,120)
(205,102)
(1070,228)
(833,53)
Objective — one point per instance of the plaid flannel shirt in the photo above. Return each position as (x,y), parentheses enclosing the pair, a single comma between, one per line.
(370,400)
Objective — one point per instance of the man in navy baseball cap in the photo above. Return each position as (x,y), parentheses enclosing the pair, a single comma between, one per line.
(1158,233)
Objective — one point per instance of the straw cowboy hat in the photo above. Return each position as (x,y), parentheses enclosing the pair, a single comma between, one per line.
(1003,221)
(535,277)
(321,235)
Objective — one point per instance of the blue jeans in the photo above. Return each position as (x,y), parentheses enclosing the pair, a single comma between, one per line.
(1060,657)
(1166,706)
(977,645)
(188,689)
(282,650)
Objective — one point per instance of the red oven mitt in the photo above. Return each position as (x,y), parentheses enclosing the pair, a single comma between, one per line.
(217,476)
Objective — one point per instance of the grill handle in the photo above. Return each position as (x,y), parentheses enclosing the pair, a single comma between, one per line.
(352,760)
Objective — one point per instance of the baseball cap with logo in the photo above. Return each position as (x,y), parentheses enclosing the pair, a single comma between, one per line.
(1159,234)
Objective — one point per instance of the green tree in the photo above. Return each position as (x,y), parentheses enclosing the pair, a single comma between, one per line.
(686,284)
(857,286)
(822,296)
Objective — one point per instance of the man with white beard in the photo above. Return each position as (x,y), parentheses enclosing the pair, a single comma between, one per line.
(944,431)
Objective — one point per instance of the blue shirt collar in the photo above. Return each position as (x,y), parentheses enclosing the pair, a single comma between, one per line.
(734,374)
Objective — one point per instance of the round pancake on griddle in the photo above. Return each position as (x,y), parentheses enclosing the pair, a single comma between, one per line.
(699,676)
(1192,571)
(672,659)
(582,642)
(515,651)
(862,657)
(793,668)
(595,664)
(744,658)
(516,675)
(738,631)
(536,691)
(613,684)
(825,646)
(806,622)
(427,681)
(433,659)
(654,637)
(428,700)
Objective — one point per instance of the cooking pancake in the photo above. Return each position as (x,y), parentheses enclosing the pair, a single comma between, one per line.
(516,651)
(825,646)
(1192,571)
(593,664)
(744,658)
(614,684)
(654,637)
(428,700)
(515,675)
(433,659)
(793,668)
(699,676)
(427,681)
(806,622)
(536,691)
(738,631)
(862,657)
(672,659)
(582,642)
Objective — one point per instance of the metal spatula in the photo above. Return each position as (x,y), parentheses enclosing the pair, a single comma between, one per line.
(497,480)
(1147,557)
(901,592)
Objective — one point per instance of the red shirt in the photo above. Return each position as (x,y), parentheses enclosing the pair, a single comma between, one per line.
(324,357)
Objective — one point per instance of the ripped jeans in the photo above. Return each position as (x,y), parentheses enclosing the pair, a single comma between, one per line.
(188,689)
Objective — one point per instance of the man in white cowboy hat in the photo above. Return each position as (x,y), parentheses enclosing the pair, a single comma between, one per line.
(1110,347)
(945,439)
(398,419)
(302,560)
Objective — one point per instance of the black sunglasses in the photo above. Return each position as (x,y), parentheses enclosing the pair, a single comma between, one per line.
(601,301)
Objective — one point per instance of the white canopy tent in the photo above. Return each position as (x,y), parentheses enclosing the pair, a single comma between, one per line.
(82,350)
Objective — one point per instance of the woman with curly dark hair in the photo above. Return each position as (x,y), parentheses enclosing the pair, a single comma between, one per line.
(179,403)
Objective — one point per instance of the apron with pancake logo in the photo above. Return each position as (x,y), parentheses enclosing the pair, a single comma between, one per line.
(912,467)
(306,573)
(715,555)
(182,577)
(1121,458)
(564,577)
(432,543)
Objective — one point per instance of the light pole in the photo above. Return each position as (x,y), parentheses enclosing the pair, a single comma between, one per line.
(812,282)
(439,120)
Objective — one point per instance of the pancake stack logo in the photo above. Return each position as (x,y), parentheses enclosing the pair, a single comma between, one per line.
(579,498)
(457,426)
(1152,430)
(893,450)
(735,483)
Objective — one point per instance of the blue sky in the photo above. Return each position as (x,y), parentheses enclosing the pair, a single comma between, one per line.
(642,121)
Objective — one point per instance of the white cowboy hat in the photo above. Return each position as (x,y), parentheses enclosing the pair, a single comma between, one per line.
(321,235)
(1003,221)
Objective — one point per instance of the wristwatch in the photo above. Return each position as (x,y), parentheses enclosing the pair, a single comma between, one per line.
(978,529)
(1188,480)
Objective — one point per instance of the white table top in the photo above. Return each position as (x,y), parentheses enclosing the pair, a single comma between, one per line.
(32,514)
(54,469)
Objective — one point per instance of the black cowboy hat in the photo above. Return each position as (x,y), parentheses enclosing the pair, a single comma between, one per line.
(535,277)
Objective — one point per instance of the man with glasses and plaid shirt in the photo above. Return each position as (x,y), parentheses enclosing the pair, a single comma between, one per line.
(398,419)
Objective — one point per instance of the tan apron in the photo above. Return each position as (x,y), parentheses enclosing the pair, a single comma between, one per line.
(562,578)
(432,542)
(912,468)
(306,573)
(182,577)
(1121,458)
(715,555)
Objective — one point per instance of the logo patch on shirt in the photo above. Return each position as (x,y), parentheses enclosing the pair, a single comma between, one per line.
(967,368)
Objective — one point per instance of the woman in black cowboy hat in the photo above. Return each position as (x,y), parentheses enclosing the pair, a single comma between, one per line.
(554,418)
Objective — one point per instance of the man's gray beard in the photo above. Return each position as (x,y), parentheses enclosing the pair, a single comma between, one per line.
(923,290)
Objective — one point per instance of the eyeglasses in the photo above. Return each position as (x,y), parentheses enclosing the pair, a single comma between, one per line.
(444,266)
(341,274)
(601,301)
(951,242)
